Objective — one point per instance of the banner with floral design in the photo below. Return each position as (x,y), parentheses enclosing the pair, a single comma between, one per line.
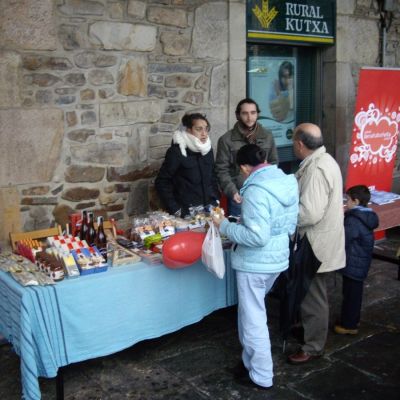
(375,129)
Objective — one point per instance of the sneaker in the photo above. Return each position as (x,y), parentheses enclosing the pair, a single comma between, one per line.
(247,382)
(340,330)
(239,370)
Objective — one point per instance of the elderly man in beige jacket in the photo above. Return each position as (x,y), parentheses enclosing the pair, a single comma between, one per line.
(321,220)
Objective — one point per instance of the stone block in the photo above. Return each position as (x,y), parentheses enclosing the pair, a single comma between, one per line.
(174,43)
(116,10)
(37,134)
(28,25)
(132,79)
(82,7)
(81,135)
(43,80)
(75,79)
(72,36)
(237,30)
(130,174)
(105,199)
(174,81)
(106,93)
(138,143)
(117,114)
(98,77)
(61,214)
(34,62)
(71,118)
(345,86)
(10,64)
(80,193)
(351,43)
(167,16)
(218,117)
(158,153)
(87,94)
(10,215)
(193,97)
(136,9)
(44,96)
(160,140)
(345,6)
(38,219)
(211,26)
(88,118)
(171,118)
(219,85)
(82,173)
(36,191)
(156,91)
(175,68)
(99,153)
(105,60)
(123,36)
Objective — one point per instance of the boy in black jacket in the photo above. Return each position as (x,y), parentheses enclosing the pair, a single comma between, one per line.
(359,224)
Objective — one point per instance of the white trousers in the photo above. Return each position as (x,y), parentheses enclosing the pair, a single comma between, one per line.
(252,324)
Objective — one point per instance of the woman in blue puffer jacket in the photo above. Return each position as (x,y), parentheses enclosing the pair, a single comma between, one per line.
(260,252)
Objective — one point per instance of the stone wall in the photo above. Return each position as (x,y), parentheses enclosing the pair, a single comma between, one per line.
(358,44)
(92,90)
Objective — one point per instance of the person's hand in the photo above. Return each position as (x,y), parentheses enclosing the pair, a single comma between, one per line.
(237,198)
(280,108)
(217,219)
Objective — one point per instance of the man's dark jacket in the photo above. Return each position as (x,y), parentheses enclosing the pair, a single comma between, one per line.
(186,181)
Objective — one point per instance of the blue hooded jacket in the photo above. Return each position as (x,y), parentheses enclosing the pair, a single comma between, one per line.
(359,224)
(270,204)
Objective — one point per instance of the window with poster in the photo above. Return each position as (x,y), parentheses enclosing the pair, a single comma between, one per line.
(283,63)
(283,81)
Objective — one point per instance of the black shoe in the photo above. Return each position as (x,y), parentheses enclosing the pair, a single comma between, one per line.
(239,370)
(246,381)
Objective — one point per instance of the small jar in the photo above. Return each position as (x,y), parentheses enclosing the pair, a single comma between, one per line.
(57,272)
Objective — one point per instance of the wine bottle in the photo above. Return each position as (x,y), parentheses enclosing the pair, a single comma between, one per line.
(91,232)
(101,239)
(84,226)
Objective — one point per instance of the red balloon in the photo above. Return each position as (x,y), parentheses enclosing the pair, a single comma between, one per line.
(182,249)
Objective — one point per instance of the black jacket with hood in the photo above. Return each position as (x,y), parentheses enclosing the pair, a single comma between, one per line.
(359,225)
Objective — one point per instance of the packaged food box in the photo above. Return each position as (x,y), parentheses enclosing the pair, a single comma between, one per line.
(89,260)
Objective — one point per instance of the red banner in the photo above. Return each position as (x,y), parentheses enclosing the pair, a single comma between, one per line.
(375,129)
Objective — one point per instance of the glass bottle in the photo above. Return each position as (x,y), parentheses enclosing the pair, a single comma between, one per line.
(84,226)
(91,232)
(101,239)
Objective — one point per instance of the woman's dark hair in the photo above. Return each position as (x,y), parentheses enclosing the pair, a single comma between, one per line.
(250,154)
(285,66)
(247,100)
(360,193)
(187,119)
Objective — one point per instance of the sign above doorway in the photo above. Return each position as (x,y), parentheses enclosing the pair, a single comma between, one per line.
(303,22)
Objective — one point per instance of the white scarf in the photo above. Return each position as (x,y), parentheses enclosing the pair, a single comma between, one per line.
(187,140)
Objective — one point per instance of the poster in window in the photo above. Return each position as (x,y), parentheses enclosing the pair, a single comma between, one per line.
(272,86)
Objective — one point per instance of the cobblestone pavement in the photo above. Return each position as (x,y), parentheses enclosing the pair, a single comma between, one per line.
(194,362)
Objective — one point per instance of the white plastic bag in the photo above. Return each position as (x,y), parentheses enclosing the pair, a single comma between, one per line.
(212,253)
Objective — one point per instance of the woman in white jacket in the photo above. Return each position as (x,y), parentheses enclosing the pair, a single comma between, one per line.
(260,253)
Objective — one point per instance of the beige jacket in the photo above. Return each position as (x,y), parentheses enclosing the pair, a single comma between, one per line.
(321,208)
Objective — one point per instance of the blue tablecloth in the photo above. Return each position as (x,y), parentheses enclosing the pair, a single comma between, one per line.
(100,314)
